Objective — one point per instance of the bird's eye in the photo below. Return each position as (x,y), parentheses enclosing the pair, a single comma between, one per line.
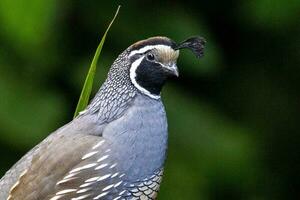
(150,56)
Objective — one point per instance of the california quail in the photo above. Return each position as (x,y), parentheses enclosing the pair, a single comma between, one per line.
(115,149)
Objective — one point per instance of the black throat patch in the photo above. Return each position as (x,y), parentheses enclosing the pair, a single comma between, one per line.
(151,76)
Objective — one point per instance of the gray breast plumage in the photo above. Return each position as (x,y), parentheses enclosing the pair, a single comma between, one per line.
(140,136)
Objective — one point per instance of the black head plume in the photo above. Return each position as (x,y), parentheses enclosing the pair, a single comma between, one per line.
(195,44)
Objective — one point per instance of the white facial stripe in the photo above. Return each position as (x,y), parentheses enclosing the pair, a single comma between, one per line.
(133,68)
(146,48)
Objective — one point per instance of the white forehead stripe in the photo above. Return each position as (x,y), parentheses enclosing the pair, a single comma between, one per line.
(133,68)
(146,48)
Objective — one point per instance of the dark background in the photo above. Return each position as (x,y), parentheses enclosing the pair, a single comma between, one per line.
(233,116)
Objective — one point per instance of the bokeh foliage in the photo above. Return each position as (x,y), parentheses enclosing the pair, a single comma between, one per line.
(233,116)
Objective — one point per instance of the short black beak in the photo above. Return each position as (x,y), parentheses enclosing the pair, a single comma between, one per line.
(172,70)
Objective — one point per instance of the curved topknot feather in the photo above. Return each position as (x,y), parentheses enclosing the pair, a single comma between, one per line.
(195,44)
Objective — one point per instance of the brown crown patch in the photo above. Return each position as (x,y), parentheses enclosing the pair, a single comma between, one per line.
(153,41)
(166,55)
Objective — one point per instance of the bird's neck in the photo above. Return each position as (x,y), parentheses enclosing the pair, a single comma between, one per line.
(112,99)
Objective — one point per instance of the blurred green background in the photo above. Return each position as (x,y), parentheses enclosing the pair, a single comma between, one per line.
(233,115)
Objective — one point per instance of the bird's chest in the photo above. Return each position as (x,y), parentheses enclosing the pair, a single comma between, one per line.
(139,137)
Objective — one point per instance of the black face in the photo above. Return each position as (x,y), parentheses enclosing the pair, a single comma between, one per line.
(151,75)
(152,62)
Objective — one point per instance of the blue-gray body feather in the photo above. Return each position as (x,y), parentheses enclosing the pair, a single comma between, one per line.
(125,141)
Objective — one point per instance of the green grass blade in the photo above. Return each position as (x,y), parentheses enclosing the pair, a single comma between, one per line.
(88,84)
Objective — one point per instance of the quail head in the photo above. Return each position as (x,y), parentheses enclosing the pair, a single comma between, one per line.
(115,149)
